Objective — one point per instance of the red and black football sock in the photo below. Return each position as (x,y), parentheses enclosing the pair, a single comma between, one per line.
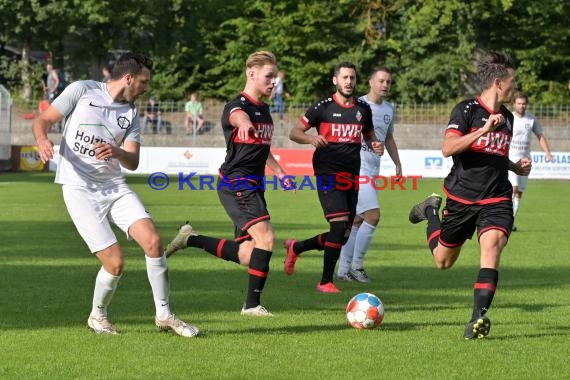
(333,245)
(316,242)
(484,291)
(258,270)
(224,249)
(433,227)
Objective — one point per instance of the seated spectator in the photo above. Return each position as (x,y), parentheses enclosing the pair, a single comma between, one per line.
(194,114)
(152,115)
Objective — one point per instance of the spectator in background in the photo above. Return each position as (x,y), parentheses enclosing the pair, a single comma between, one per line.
(152,115)
(194,114)
(106,72)
(51,89)
(279,91)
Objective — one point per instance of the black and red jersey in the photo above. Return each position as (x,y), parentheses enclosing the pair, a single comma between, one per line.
(480,174)
(246,158)
(342,126)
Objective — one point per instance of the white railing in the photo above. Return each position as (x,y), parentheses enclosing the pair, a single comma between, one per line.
(5,123)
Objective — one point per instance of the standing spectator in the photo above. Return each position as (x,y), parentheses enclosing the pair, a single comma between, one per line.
(52,83)
(152,115)
(525,124)
(248,130)
(106,73)
(278,95)
(341,121)
(479,195)
(102,135)
(351,265)
(194,114)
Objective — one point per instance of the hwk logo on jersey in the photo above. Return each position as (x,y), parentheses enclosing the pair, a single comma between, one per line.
(123,122)
(387,119)
(358,115)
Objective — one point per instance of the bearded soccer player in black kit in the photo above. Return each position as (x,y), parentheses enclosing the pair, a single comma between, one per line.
(340,120)
(479,195)
(248,129)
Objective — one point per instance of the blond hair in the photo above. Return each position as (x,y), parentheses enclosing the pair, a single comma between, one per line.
(260,58)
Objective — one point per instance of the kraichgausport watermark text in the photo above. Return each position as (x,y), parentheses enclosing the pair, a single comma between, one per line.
(339,181)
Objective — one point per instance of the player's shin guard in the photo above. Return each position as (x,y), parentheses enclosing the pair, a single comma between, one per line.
(224,249)
(433,227)
(316,242)
(333,244)
(484,291)
(258,270)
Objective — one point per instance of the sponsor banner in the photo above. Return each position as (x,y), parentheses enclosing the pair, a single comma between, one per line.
(180,160)
(293,161)
(424,163)
(30,159)
(559,168)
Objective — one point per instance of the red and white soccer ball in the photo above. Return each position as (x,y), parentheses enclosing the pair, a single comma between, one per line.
(365,311)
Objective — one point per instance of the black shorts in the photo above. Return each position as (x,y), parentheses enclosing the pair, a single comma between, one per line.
(334,201)
(245,208)
(459,221)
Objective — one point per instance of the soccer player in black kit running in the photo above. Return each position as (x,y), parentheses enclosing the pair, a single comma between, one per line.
(248,129)
(479,195)
(341,120)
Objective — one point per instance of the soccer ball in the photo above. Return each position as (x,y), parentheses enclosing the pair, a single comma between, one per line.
(365,311)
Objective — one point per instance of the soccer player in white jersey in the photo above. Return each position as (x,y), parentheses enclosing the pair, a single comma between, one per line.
(351,267)
(524,125)
(102,133)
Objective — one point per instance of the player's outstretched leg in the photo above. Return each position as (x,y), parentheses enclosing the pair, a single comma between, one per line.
(418,212)
(180,240)
(478,328)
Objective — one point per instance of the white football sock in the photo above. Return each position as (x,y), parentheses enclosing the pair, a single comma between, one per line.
(362,243)
(157,271)
(346,253)
(105,286)
(516,205)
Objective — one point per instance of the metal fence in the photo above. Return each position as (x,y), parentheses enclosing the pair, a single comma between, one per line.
(406,113)
(5,123)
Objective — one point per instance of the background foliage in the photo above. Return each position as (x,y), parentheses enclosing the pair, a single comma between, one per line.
(202,45)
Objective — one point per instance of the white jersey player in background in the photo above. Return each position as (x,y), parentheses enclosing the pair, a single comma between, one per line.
(351,267)
(525,124)
(102,133)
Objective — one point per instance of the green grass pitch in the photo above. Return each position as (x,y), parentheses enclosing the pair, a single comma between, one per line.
(47,276)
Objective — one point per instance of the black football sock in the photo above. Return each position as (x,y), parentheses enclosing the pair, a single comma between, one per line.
(258,270)
(484,291)
(316,242)
(224,249)
(433,227)
(333,245)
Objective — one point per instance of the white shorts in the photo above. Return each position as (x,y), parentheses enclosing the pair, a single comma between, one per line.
(518,180)
(93,210)
(367,198)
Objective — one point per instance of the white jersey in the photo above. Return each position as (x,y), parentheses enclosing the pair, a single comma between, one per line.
(92,117)
(522,128)
(383,120)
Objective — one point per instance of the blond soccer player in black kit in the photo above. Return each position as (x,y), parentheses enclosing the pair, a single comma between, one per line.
(340,120)
(248,130)
(479,195)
